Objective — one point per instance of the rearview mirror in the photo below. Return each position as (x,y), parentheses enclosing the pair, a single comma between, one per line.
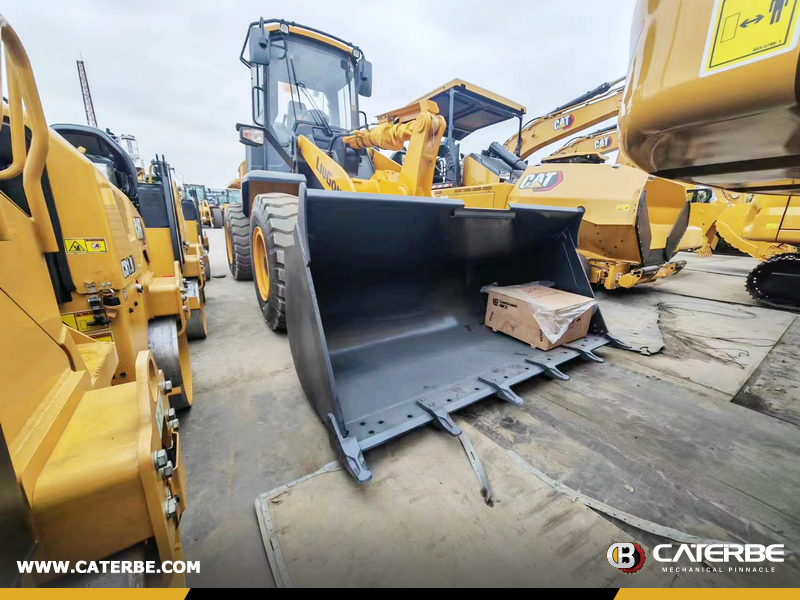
(364,78)
(259,47)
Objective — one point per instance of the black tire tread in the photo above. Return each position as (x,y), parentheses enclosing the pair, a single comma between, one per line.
(217,220)
(276,213)
(237,225)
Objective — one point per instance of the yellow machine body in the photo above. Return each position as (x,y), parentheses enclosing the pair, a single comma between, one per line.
(710,101)
(112,258)
(610,195)
(720,108)
(755,227)
(83,451)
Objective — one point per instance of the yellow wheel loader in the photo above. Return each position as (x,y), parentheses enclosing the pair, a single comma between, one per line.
(723,114)
(96,455)
(633,223)
(156,190)
(378,283)
(210,215)
(195,235)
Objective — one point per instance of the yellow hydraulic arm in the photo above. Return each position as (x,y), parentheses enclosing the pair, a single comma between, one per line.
(580,114)
(419,124)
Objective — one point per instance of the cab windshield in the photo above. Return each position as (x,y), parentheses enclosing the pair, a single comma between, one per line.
(310,84)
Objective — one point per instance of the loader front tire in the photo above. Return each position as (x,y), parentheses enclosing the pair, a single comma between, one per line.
(272,221)
(237,242)
(217,220)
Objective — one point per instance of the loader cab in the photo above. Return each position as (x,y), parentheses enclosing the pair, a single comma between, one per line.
(468,108)
(198,192)
(303,82)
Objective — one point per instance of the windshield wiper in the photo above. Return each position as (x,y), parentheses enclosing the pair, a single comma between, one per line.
(302,87)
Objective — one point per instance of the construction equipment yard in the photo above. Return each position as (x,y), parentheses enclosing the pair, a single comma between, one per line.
(694,437)
(395,351)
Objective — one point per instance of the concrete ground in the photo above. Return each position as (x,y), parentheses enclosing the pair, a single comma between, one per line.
(251,429)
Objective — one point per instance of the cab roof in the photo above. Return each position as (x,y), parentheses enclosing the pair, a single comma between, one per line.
(473,106)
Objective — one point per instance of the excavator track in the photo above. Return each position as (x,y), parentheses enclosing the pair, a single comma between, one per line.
(776,282)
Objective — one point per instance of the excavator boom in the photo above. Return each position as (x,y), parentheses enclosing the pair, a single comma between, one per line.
(588,148)
(586,111)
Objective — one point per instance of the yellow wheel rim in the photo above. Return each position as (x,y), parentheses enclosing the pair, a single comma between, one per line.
(229,244)
(261,264)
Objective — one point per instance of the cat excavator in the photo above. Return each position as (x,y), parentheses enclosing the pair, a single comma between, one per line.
(85,416)
(719,109)
(378,282)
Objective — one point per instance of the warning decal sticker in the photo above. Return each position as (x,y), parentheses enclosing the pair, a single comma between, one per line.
(745,31)
(82,321)
(85,245)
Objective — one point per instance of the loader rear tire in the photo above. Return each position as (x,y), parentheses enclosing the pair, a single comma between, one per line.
(272,221)
(217,220)
(237,242)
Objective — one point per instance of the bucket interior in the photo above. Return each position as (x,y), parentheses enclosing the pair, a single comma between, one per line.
(398,287)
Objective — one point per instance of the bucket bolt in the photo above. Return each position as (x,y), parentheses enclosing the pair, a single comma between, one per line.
(160,458)
(164,465)
(171,509)
(166,386)
(172,420)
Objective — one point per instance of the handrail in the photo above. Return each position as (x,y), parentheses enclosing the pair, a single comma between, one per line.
(24,93)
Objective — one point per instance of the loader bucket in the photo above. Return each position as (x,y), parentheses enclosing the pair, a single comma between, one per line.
(385,311)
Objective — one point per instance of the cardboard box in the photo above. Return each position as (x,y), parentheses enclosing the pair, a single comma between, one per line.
(538,315)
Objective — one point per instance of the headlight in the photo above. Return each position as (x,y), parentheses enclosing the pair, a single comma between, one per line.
(252,136)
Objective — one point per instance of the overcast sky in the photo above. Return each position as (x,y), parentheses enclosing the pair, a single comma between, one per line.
(168,72)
